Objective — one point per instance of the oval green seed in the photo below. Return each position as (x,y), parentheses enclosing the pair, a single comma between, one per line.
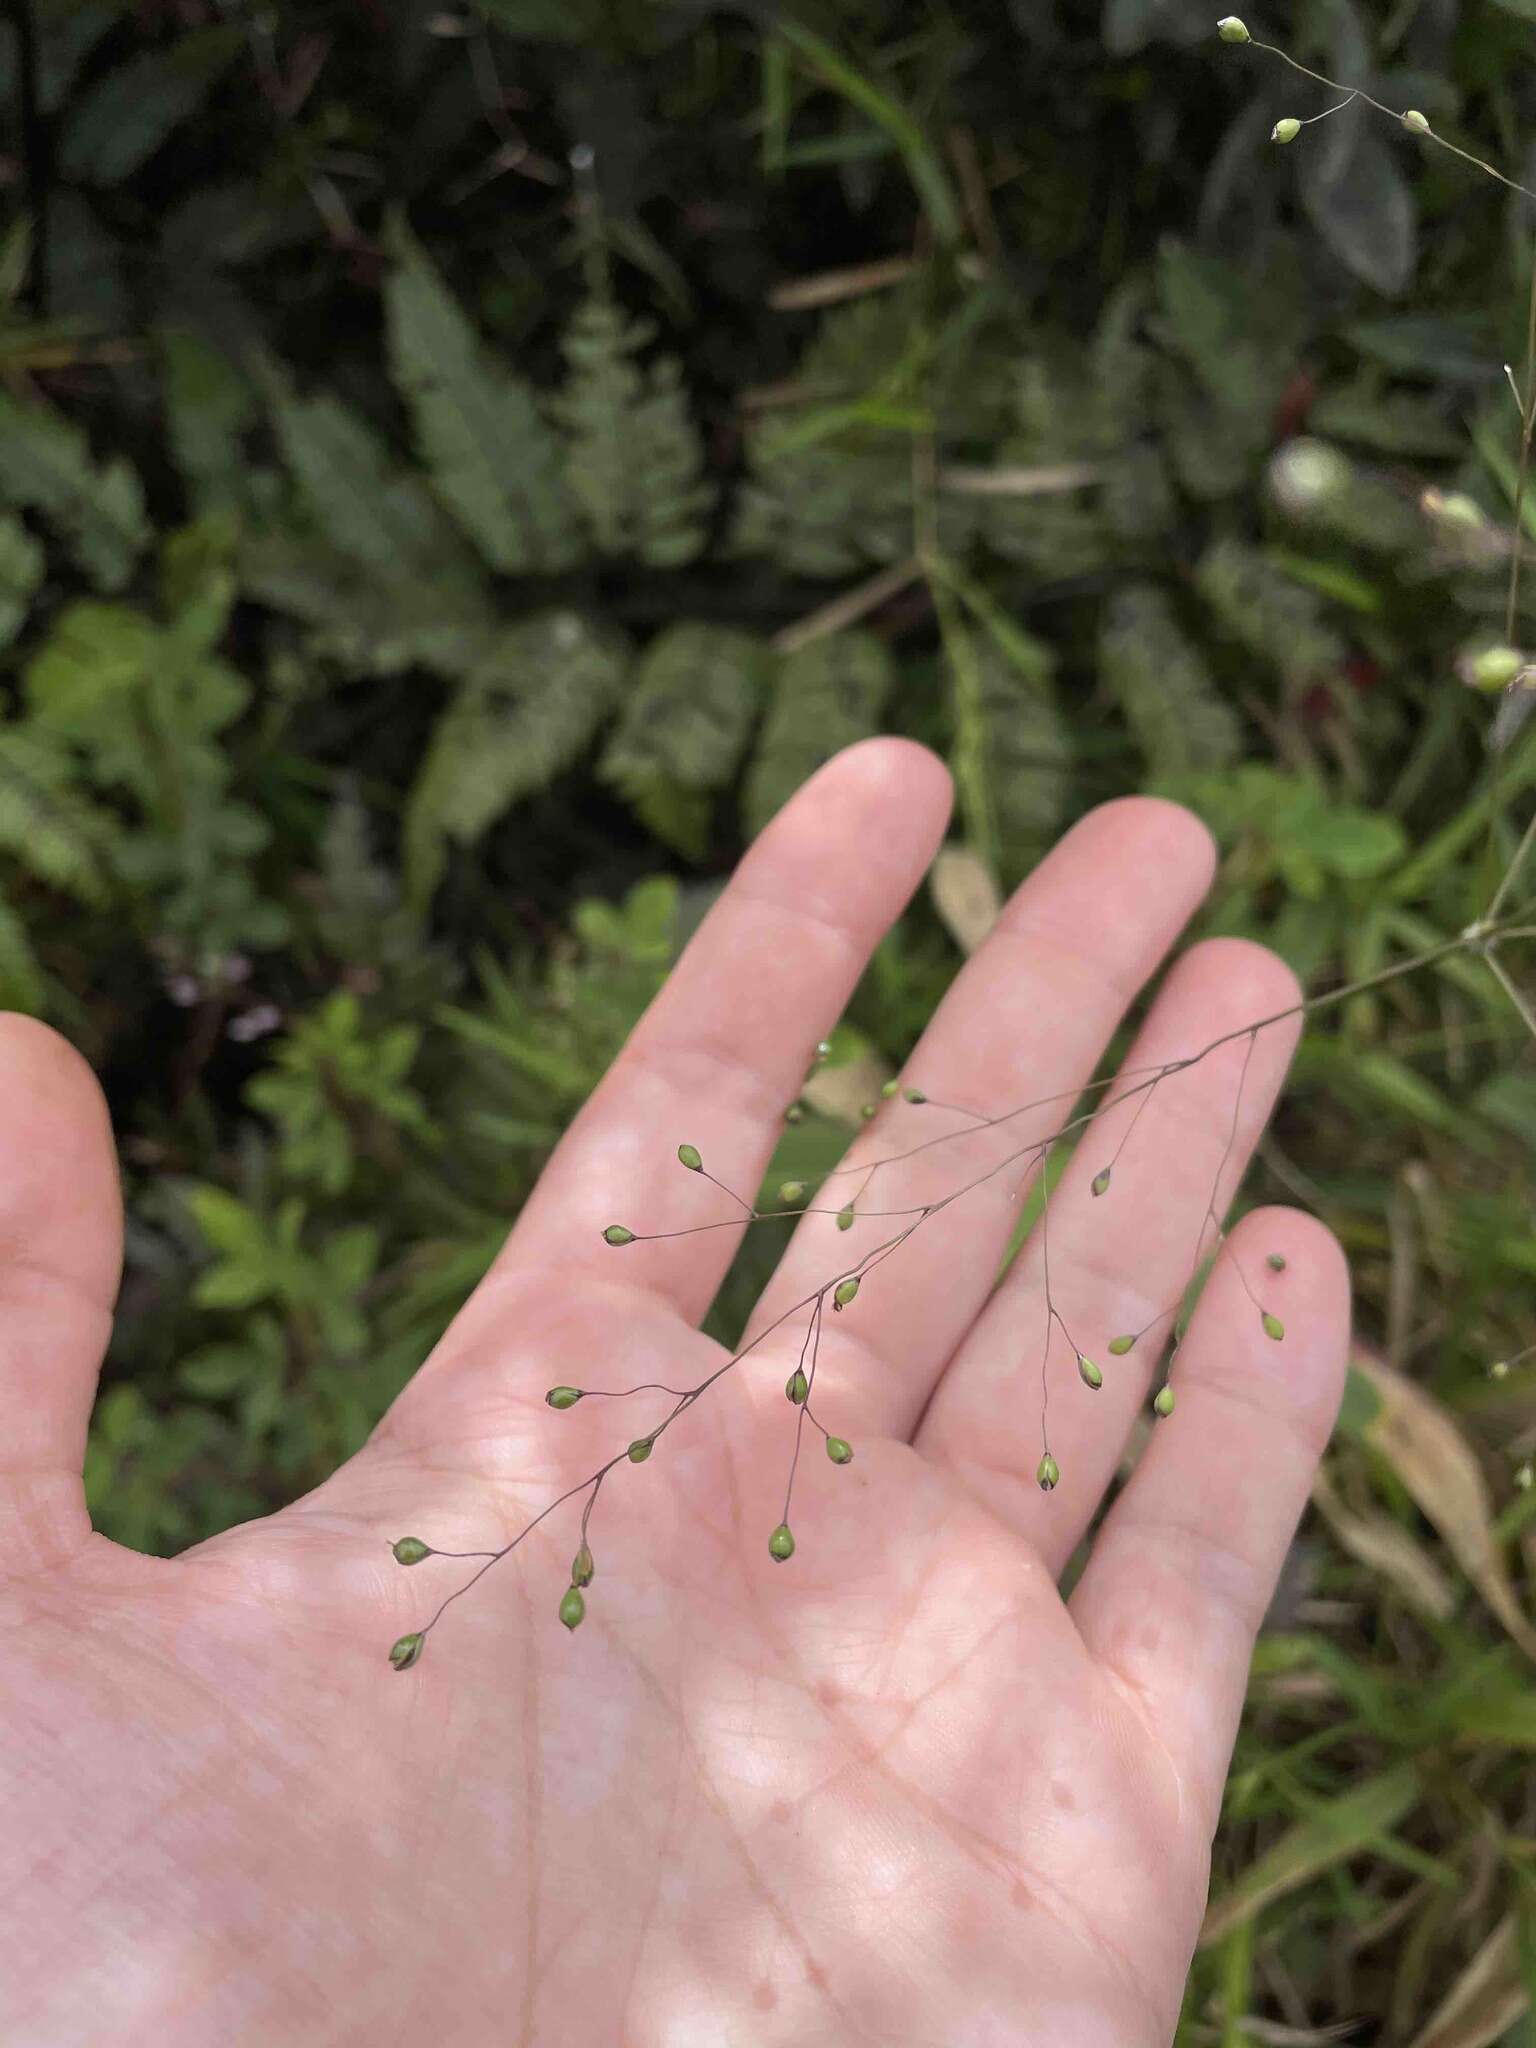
(411,1550)
(839,1450)
(582,1567)
(1118,1346)
(1089,1373)
(1164,1401)
(844,1292)
(791,1191)
(1048,1472)
(408,1650)
(563,1397)
(1101,1181)
(914,1095)
(796,1387)
(690,1157)
(845,1218)
(617,1234)
(572,1607)
(1276,1262)
(781,1544)
(1273,1327)
(639,1450)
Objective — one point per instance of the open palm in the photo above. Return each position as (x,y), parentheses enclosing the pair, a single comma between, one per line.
(890,1791)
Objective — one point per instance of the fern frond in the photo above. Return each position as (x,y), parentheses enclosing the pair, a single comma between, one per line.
(684,727)
(208,406)
(634,460)
(826,695)
(361,619)
(21,978)
(493,458)
(46,826)
(1011,756)
(522,715)
(368,508)
(21,570)
(46,466)
(1170,699)
(1266,613)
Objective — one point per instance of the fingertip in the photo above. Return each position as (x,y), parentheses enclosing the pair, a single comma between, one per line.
(1308,1291)
(1160,830)
(887,768)
(47,1081)
(1243,977)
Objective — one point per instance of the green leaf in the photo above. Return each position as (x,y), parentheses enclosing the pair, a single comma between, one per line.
(1337,1830)
(634,462)
(685,726)
(1011,756)
(1353,843)
(45,824)
(21,977)
(1266,613)
(492,456)
(827,695)
(21,570)
(208,406)
(226,1223)
(1161,682)
(520,717)
(46,466)
(378,515)
(1397,1087)
(121,121)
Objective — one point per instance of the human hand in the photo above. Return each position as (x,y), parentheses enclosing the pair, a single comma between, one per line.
(893,1791)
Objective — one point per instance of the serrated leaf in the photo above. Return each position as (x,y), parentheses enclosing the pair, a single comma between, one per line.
(493,457)
(1161,682)
(634,462)
(208,406)
(685,725)
(21,570)
(1011,757)
(45,824)
(121,121)
(21,978)
(46,466)
(521,716)
(826,695)
(1266,612)
(379,623)
(367,509)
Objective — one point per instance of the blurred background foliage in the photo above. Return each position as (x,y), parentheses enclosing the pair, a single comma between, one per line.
(462,467)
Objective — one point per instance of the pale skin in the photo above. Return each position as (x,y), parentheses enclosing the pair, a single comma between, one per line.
(891,1791)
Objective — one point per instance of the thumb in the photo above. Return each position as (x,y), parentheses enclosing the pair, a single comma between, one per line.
(61,1243)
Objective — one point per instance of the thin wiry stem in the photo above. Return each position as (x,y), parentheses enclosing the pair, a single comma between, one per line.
(1527,403)
(1500,974)
(1393,113)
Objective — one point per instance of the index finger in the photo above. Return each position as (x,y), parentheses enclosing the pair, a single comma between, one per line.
(725,1045)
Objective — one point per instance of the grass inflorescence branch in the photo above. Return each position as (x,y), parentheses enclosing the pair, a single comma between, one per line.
(841,1289)
(1504,668)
